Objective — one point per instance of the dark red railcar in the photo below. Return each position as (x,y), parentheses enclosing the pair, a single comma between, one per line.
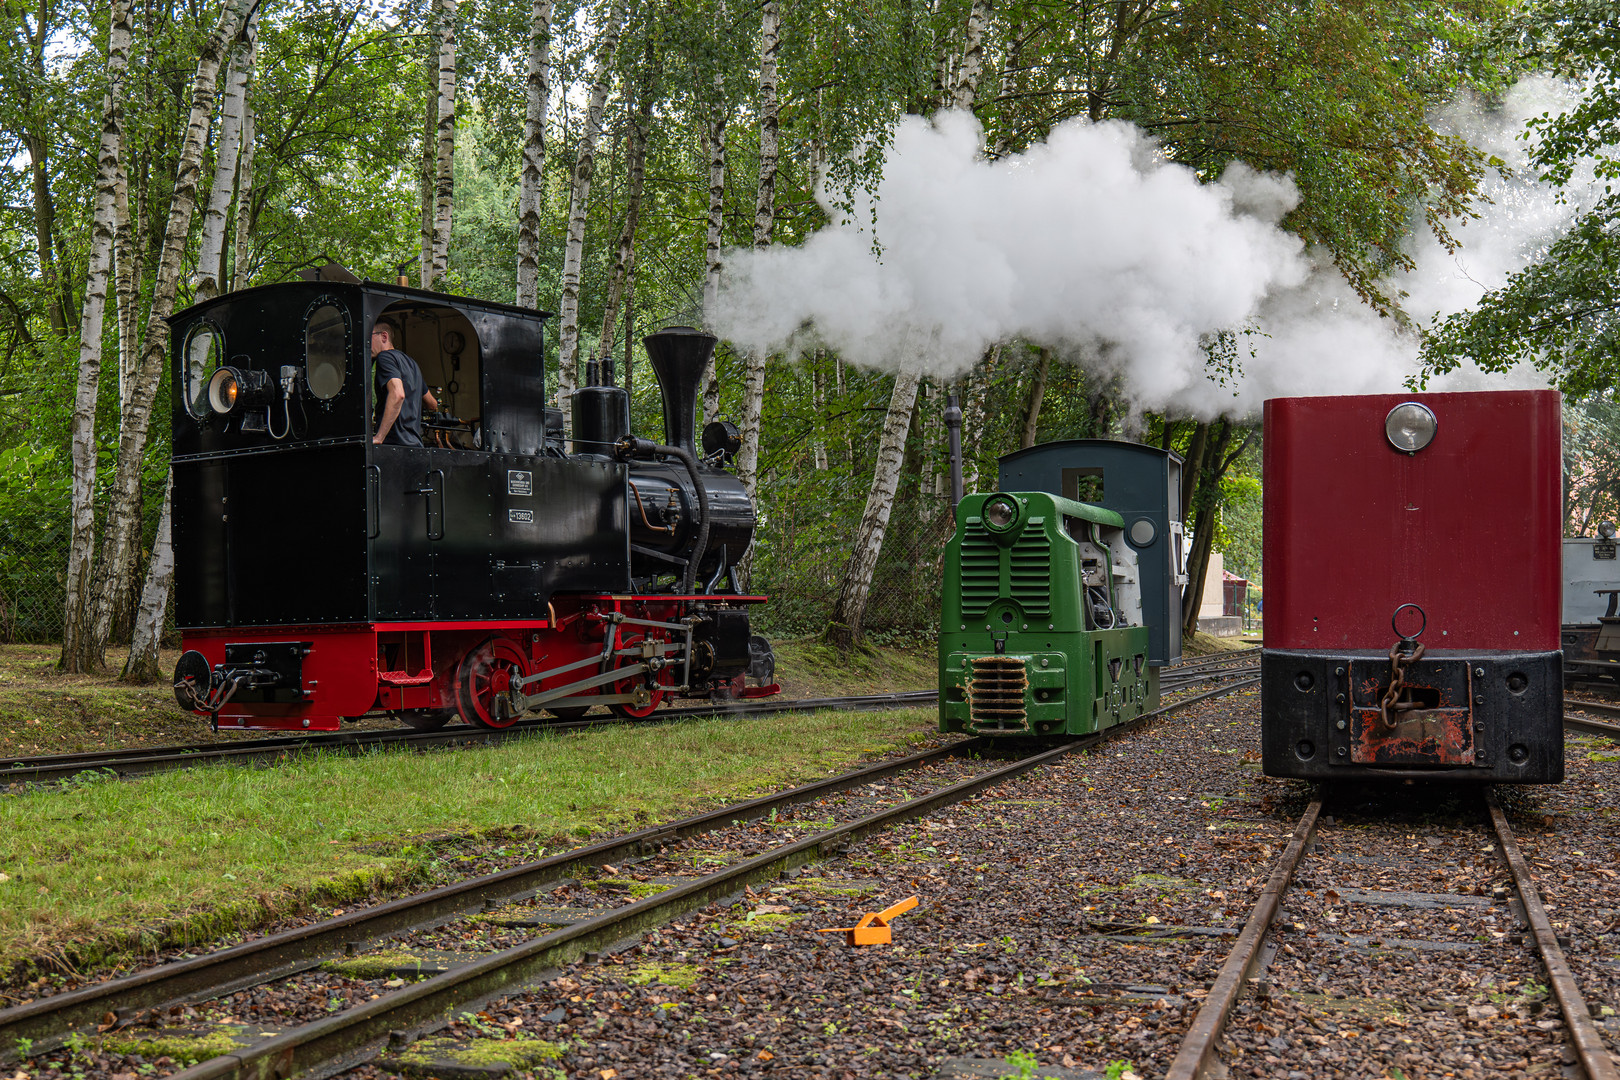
(1412,574)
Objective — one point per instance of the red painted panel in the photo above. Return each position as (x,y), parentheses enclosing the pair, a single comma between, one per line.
(1467,528)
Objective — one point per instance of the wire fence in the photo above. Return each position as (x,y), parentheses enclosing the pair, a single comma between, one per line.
(800,556)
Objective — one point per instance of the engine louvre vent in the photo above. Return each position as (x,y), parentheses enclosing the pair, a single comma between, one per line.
(981,571)
(996,693)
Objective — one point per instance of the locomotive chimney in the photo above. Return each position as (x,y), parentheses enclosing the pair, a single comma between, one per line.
(678,355)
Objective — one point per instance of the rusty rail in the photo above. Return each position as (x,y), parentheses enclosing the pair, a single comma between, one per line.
(353,1036)
(1198,1047)
(1583,1033)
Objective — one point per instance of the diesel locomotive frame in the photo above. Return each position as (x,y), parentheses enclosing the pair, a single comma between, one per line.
(490,572)
(1412,571)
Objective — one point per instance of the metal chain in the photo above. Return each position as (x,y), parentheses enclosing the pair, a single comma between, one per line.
(1399,661)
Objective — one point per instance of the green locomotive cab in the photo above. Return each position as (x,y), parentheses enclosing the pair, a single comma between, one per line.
(1058,613)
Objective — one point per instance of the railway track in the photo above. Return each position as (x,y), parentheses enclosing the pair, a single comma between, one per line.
(357,1033)
(1587,723)
(55,768)
(1313,931)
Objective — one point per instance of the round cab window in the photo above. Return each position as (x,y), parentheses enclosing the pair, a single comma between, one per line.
(326,339)
(202,357)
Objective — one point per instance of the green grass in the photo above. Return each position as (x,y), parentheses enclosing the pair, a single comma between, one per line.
(185,857)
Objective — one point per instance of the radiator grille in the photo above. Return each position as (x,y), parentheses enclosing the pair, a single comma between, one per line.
(981,571)
(996,693)
(1032,571)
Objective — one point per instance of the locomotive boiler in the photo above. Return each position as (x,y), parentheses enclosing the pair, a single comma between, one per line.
(492,571)
(1063,592)
(1411,555)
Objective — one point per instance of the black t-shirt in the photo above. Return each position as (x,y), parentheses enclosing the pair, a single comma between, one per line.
(407,429)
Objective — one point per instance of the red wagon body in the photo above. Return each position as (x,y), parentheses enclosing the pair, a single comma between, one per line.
(1372,535)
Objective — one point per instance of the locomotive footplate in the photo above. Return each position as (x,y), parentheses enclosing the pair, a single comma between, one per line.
(1459,715)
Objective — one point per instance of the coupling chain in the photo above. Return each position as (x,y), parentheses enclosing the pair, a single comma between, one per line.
(1402,655)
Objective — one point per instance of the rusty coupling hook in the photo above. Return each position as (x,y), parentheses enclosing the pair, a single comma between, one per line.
(1402,655)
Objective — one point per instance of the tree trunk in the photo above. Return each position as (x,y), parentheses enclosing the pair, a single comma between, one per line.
(714,144)
(578,205)
(1213,466)
(1037,392)
(141,666)
(244,202)
(228,147)
(967,76)
(444,176)
(854,591)
(45,232)
(753,409)
(973,416)
(818,398)
(120,548)
(624,262)
(78,646)
(531,188)
(1191,467)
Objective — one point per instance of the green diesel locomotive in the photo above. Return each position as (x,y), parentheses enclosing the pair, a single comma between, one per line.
(1062,593)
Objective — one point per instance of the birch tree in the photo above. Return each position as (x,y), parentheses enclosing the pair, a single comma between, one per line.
(855,588)
(619,283)
(142,663)
(444,178)
(714,146)
(78,655)
(244,200)
(531,190)
(206,282)
(120,547)
(770,24)
(579,204)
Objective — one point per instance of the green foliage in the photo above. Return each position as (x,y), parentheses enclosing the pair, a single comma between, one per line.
(1561,312)
(1591,464)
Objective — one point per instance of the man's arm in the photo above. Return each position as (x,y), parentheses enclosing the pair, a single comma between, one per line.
(391,407)
(429,400)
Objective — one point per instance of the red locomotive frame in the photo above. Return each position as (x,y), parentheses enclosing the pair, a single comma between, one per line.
(427,670)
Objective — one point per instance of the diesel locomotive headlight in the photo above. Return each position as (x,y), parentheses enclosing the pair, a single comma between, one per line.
(1410,427)
(1000,512)
(235,389)
(1606,530)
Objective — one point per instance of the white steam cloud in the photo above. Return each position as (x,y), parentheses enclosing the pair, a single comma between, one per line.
(1093,244)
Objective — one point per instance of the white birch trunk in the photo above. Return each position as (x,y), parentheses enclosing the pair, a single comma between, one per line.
(444,178)
(624,262)
(770,25)
(210,272)
(973,408)
(424,182)
(854,591)
(967,75)
(714,144)
(127,265)
(141,666)
(578,205)
(531,189)
(120,548)
(818,396)
(79,653)
(240,261)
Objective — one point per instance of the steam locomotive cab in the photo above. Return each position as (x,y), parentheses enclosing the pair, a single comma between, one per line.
(486,573)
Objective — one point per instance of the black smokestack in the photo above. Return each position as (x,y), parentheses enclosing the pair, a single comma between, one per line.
(679,355)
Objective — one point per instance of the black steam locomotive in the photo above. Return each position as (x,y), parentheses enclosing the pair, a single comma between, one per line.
(490,572)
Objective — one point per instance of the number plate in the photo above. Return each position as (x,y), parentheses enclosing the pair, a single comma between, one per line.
(1603,549)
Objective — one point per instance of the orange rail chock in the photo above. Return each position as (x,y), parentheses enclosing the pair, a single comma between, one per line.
(873,929)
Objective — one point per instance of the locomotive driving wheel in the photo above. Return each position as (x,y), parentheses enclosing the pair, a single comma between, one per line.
(630,710)
(484,673)
(423,719)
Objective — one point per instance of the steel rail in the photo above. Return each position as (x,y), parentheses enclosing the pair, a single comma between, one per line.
(1583,1033)
(45,1021)
(1197,1050)
(140,761)
(349,1037)
(1602,708)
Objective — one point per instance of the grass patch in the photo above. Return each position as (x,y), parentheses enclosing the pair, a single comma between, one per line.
(429,1055)
(808,667)
(374,965)
(638,889)
(185,857)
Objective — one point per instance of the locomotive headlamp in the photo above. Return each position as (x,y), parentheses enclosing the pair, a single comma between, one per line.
(1000,512)
(1410,427)
(233,389)
(1606,530)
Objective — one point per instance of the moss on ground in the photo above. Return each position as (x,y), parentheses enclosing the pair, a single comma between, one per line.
(684,976)
(186,1049)
(376,965)
(638,889)
(521,1053)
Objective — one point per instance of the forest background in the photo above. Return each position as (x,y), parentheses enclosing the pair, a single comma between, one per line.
(597,159)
